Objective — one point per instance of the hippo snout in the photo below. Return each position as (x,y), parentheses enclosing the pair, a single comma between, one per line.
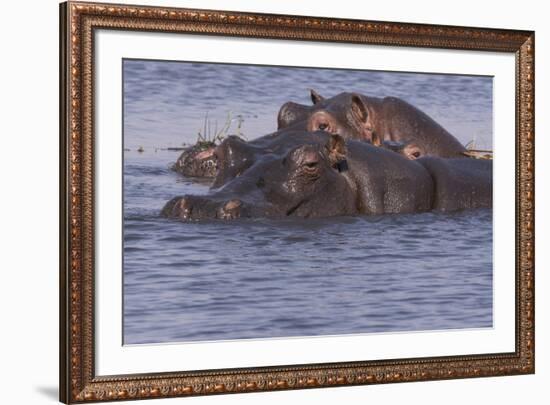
(193,207)
(178,207)
(230,210)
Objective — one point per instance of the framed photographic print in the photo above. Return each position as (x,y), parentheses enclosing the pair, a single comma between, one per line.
(261,202)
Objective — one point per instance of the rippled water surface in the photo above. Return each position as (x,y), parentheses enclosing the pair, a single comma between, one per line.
(266,278)
(166,103)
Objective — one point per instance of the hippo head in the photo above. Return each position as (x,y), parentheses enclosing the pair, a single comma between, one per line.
(346,114)
(233,156)
(408,149)
(308,180)
(197,161)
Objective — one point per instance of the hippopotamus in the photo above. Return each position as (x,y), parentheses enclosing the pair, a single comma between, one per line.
(460,183)
(197,161)
(315,174)
(235,155)
(375,120)
(407,149)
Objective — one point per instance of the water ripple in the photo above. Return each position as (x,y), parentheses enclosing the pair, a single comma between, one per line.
(266,278)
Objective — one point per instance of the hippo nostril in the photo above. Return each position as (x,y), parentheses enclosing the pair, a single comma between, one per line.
(232,204)
(182,209)
(230,210)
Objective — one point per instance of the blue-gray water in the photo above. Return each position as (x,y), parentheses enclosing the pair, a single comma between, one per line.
(265,278)
(165,103)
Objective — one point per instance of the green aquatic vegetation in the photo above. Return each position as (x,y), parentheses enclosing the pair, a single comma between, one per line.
(476,153)
(211,135)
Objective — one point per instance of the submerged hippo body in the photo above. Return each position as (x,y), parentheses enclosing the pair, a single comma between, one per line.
(460,183)
(388,183)
(356,116)
(296,173)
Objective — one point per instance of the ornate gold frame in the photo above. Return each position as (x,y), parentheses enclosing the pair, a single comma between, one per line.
(78,381)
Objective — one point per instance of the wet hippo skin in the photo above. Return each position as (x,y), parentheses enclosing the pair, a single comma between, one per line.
(313,175)
(460,183)
(360,117)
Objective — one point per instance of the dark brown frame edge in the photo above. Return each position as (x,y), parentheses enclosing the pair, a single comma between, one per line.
(78,382)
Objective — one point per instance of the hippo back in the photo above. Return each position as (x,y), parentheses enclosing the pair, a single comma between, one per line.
(400,121)
(388,182)
(462,183)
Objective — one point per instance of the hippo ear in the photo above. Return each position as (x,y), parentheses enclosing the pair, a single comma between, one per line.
(336,149)
(290,113)
(359,108)
(315,97)
(360,112)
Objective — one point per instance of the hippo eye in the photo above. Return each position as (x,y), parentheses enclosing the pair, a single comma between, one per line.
(323,127)
(416,154)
